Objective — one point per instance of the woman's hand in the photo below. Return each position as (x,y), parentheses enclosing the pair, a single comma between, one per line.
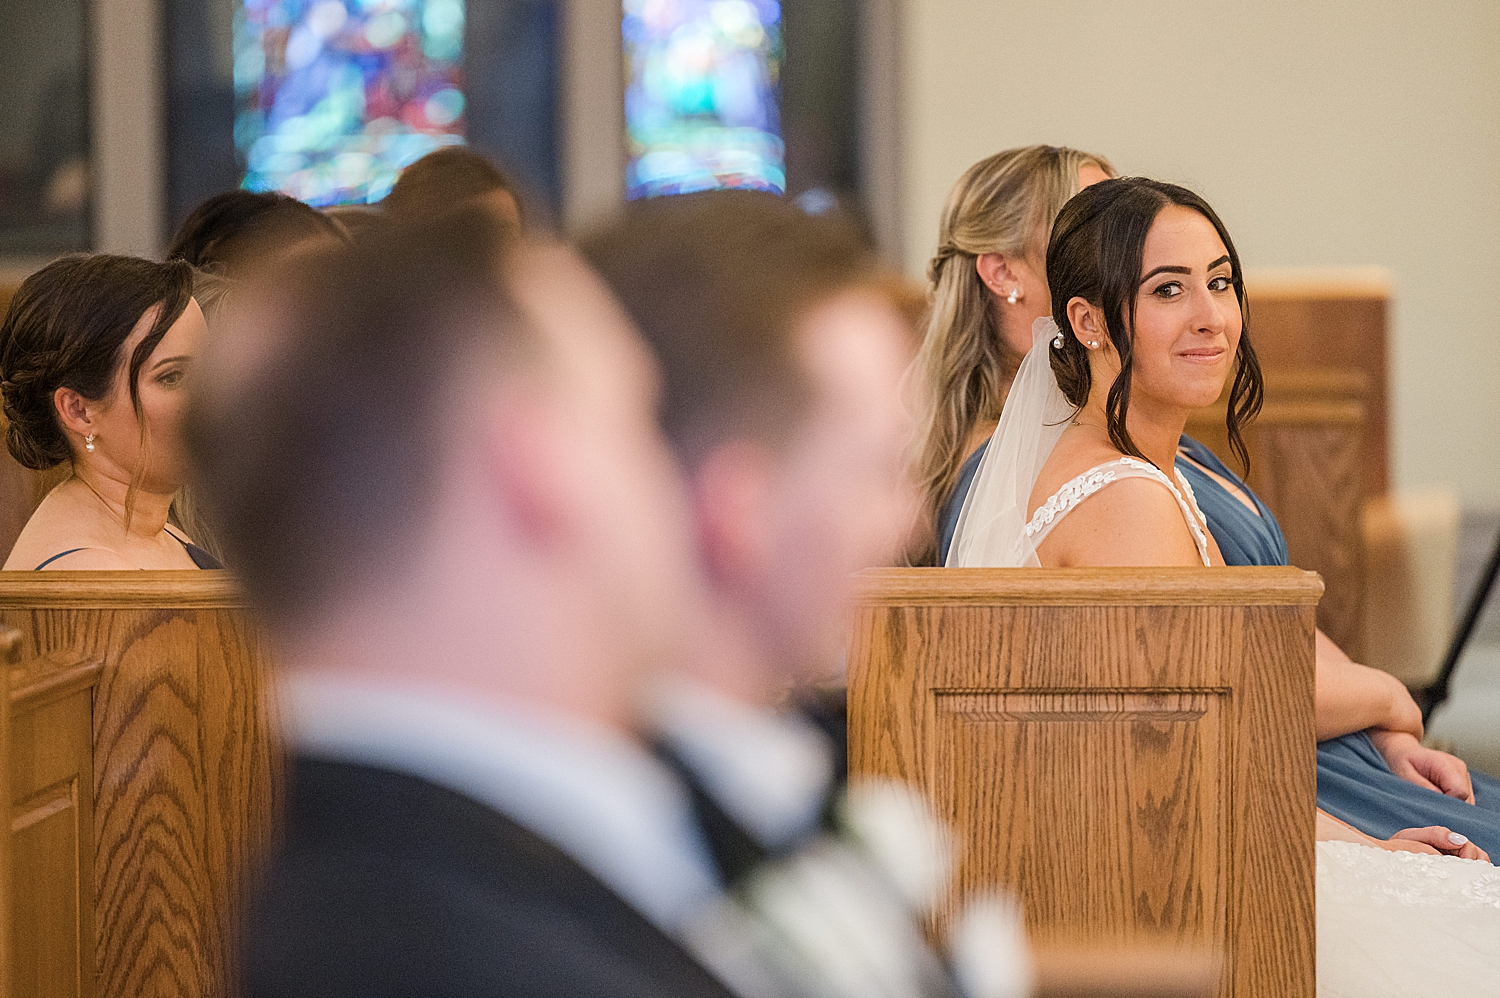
(1415,763)
(1435,839)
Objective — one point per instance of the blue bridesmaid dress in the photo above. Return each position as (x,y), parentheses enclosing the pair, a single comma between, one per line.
(1354,782)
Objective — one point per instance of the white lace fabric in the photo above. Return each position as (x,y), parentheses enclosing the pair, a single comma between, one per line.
(1406,925)
(1066,499)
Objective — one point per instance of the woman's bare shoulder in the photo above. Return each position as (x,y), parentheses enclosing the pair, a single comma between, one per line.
(1132,522)
(63,523)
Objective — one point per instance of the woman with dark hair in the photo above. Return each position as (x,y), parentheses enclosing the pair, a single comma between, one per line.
(95,357)
(1085,469)
(235,227)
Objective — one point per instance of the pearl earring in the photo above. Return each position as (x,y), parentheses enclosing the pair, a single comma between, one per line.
(1014,296)
(88,443)
(1094,344)
(1057,341)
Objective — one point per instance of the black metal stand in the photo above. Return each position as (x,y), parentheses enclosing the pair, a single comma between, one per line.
(1437,691)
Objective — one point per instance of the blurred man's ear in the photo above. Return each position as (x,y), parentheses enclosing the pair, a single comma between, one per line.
(732,497)
(523,447)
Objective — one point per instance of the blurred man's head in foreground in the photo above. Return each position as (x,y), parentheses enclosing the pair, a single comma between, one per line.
(235,231)
(452,177)
(782,355)
(445,432)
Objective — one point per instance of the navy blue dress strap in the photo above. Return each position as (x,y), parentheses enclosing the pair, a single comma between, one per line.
(62,554)
(200,557)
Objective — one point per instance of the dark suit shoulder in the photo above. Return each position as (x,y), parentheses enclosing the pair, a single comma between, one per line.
(389,885)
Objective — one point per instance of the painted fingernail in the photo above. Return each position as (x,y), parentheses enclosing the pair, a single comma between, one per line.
(1457,839)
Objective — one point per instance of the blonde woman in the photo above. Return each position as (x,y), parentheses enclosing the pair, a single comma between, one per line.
(988,285)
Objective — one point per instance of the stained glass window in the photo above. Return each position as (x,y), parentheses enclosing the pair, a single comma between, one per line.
(335,97)
(701,93)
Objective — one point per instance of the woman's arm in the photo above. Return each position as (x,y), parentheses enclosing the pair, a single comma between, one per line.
(1352,697)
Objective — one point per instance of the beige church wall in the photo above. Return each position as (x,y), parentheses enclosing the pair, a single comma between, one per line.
(1325,134)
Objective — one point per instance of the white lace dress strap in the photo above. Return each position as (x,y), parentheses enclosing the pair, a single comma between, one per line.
(1065,499)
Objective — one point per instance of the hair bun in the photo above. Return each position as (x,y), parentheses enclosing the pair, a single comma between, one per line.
(32,434)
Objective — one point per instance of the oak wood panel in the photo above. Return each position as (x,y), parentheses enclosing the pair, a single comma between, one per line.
(1331,318)
(1307,449)
(184,769)
(10,653)
(1129,750)
(50,826)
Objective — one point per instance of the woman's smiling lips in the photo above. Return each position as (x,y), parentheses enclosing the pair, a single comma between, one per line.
(1202,355)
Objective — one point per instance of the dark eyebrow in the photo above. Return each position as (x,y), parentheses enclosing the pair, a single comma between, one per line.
(170,360)
(1183,270)
(1167,270)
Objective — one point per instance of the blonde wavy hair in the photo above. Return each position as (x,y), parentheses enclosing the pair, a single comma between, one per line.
(1003,204)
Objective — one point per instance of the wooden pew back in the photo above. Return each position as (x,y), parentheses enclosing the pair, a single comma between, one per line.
(183,769)
(50,771)
(1308,450)
(1130,751)
(1330,318)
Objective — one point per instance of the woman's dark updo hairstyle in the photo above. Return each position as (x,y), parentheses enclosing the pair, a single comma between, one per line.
(234,224)
(1095,254)
(65,328)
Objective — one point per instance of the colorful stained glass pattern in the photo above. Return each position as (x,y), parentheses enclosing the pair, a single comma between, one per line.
(336,97)
(701,95)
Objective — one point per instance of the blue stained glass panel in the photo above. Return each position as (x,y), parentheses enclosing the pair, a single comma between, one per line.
(335,97)
(701,97)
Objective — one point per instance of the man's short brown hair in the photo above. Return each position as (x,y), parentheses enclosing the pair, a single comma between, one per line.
(443,179)
(318,467)
(717,283)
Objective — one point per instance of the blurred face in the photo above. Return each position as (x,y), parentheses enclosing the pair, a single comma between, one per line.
(1187,317)
(837,498)
(163,383)
(614,479)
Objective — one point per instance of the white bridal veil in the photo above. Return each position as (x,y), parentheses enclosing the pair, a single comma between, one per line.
(991,528)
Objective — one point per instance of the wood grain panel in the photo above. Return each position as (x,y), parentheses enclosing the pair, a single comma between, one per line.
(10,652)
(1108,760)
(50,777)
(184,770)
(1307,453)
(1330,319)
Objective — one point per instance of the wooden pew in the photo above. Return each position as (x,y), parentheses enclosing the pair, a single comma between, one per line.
(49,770)
(1130,751)
(1330,318)
(1307,450)
(183,771)
(10,650)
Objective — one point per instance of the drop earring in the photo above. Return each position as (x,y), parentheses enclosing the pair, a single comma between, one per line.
(1057,341)
(88,443)
(1014,296)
